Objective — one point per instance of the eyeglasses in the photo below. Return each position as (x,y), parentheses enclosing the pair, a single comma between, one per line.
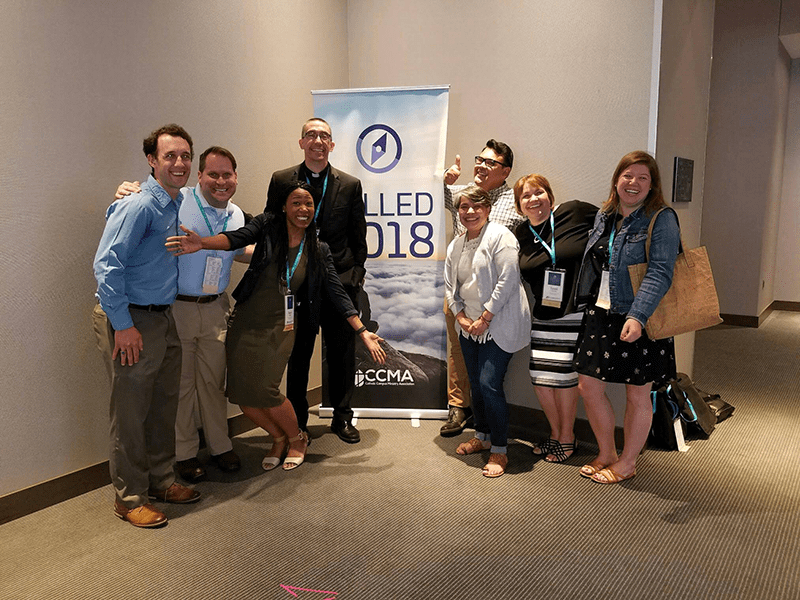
(322,135)
(490,162)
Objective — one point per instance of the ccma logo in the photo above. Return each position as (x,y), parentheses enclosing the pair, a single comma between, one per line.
(379,148)
(384,377)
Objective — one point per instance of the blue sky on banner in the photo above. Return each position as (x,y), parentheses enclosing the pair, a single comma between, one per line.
(394,141)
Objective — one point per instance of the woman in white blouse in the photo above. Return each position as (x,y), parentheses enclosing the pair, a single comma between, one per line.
(483,290)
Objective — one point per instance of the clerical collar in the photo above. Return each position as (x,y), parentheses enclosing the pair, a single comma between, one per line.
(315,177)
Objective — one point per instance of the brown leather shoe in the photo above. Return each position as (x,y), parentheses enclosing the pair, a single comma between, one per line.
(175,494)
(145,515)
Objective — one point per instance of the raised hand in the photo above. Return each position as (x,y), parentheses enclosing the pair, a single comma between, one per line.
(453,173)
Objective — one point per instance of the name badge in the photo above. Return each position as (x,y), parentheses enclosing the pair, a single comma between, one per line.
(604,297)
(288,312)
(553,288)
(212,275)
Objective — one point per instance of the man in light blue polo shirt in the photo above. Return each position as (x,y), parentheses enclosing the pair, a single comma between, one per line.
(201,310)
(137,280)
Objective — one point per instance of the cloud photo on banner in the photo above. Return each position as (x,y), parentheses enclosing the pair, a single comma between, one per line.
(406,299)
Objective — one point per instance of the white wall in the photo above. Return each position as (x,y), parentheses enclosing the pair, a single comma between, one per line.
(83,84)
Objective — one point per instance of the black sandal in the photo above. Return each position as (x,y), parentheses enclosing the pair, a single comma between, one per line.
(544,448)
(559,451)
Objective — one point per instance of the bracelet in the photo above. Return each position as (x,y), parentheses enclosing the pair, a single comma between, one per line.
(361,330)
(484,319)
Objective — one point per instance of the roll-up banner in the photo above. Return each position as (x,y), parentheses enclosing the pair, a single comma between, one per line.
(393,140)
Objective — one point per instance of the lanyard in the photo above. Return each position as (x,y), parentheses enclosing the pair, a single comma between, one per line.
(290,274)
(202,212)
(611,239)
(324,189)
(550,250)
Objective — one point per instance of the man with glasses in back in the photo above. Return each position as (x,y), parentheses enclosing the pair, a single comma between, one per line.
(492,168)
(342,224)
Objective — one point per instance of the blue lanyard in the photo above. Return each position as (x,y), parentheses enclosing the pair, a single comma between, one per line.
(611,239)
(290,274)
(324,189)
(550,250)
(202,212)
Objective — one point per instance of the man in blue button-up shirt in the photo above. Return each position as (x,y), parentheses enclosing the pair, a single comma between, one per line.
(201,314)
(137,281)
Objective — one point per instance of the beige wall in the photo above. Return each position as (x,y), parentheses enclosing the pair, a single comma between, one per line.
(686,46)
(787,285)
(570,95)
(566,84)
(83,84)
(744,160)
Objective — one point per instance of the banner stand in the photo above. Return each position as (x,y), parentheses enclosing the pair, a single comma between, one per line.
(393,140)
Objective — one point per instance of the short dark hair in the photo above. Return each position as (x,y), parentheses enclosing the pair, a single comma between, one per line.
(533,179)
(503,150)
(303,130)
(476,195)
(150,143)
(216,150)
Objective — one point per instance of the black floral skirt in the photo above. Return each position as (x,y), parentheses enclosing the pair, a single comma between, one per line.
(602,355)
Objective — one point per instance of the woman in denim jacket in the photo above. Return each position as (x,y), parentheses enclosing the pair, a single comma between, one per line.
(613,346)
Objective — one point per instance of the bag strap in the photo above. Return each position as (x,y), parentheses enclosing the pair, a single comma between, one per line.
(650,233)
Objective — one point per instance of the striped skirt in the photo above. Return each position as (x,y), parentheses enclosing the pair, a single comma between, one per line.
(553,346)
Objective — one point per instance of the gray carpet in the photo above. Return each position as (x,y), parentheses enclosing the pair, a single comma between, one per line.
(400,516)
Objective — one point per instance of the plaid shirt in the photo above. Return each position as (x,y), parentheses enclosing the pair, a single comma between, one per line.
(503,210)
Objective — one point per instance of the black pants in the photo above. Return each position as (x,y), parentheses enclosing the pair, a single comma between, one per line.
(339,342)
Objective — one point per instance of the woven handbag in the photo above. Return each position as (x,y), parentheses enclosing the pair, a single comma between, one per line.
(691,302)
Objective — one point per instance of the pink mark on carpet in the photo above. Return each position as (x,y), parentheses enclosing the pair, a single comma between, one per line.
(293,591)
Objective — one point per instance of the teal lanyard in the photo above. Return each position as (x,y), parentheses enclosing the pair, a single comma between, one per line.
(324,189)
(550,250)
(611,240)
(290,274)
(205,218)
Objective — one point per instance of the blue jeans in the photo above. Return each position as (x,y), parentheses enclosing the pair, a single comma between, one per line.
(486,368)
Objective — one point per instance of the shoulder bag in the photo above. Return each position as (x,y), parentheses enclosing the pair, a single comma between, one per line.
(691,302)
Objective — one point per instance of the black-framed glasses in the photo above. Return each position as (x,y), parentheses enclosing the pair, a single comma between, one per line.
(490,162)
(322,135)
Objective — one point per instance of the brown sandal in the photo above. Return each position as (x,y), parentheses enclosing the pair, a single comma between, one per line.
(471,447)
(608,476)
(498,459)
(593,467)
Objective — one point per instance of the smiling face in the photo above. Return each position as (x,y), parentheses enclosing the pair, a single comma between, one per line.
(171,163)
(317,143)
(473,216)
(489,176)
(535,203)
(217,180)
(299,209)
(633,186)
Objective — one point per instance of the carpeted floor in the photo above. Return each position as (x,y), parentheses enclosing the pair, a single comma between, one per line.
(400,516)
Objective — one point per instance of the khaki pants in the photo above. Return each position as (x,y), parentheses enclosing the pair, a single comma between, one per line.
(458,391)
(201,329)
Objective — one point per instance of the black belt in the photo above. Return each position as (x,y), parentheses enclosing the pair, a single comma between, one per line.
(150,307)
(197,299)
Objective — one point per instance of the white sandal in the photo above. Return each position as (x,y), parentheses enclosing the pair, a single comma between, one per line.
(270,462)
(292,462)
